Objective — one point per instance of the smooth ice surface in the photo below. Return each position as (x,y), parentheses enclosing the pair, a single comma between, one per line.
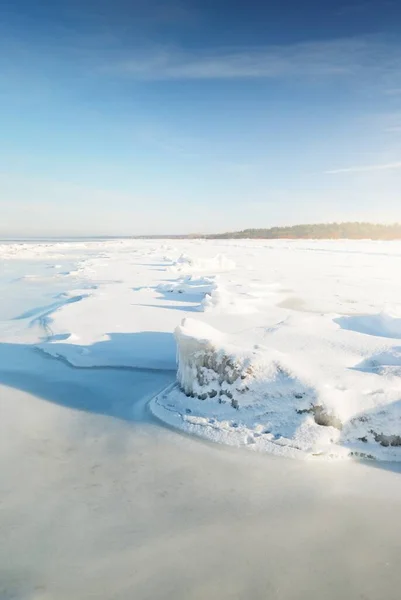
(95,506)
(98,499)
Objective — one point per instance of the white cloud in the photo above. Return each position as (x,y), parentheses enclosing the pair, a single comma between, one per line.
(366,168)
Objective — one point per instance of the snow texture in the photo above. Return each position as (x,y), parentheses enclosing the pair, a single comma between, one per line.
(291,347)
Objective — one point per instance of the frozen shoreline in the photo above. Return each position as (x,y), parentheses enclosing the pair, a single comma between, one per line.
(100,500)
(324,318)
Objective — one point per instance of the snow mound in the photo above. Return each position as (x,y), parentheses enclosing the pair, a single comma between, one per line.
(184,259)
(256,396)
(221,300)
(244,396)
(384,363)
(189,285)
(220,262)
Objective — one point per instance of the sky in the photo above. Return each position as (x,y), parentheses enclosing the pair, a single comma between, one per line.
(135,117)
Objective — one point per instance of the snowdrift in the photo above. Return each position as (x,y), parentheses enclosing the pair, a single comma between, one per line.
(220,262)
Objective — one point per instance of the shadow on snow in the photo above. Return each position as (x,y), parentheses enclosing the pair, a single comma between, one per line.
(111,391)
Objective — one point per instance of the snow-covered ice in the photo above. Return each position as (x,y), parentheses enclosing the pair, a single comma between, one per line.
(316,322)
(301,356)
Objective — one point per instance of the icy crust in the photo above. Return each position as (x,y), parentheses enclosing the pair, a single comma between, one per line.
(252,397)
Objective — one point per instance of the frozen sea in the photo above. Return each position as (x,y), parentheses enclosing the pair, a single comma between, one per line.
(99,499)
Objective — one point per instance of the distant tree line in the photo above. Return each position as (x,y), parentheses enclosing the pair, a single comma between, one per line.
(350,231)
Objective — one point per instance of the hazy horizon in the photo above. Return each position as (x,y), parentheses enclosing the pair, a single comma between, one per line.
(67,236)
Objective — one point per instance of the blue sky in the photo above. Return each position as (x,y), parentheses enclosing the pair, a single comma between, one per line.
(150,116)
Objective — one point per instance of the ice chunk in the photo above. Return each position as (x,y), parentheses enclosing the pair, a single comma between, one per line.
(207,365)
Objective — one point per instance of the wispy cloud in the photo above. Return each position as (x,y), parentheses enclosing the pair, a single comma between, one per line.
(366,168)
(336,57)
(393,92)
